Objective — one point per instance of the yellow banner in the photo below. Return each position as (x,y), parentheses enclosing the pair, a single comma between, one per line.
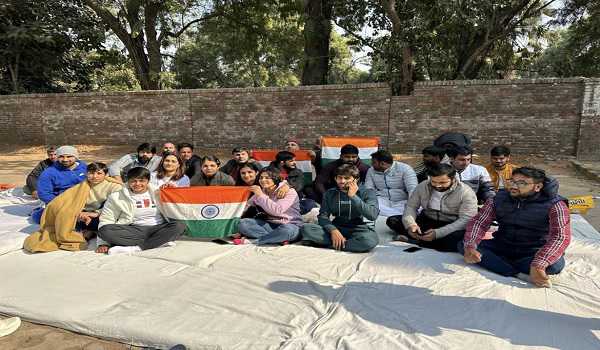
(581,203)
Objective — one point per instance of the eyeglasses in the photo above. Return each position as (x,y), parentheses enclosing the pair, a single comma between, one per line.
(519,183)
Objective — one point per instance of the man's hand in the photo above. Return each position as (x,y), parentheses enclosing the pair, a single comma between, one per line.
(352,188)
(428,236)
(338,240)
(256,190)
(539,277)
(34,194)
(472,256)
(282,191)
(414,231)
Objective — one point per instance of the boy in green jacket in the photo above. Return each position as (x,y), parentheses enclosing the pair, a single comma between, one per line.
(349,204)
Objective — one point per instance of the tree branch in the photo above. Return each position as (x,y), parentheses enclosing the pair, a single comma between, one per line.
(362,40)
(186,26)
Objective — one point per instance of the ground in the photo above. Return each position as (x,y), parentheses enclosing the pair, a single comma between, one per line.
(15,164)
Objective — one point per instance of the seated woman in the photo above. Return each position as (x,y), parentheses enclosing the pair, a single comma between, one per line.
(170,172)
(210,175)
(131,220)
(278,219)
(78,207)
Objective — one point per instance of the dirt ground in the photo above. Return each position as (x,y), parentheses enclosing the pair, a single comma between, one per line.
(15,164)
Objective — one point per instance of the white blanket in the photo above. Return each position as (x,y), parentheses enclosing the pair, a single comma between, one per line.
(206,295)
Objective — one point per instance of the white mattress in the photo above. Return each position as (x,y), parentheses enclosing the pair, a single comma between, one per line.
(205,295)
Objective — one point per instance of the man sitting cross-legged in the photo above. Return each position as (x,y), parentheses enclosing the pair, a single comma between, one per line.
(131,220)
(350,205)
(448,205)
(533,233)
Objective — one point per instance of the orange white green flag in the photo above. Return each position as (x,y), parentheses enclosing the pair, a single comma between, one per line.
(208,211)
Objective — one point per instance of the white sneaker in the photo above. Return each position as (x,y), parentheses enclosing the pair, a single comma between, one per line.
(169,244)
(129,250)
(9,325)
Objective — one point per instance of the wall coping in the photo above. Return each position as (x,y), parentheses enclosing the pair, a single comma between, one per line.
(308,88)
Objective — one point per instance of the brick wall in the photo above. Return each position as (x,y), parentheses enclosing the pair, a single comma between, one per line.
(532,116)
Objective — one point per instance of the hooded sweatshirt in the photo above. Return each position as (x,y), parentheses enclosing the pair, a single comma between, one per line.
(348,212)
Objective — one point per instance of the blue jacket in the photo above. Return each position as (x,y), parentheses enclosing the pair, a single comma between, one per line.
(56,179)
(524,223)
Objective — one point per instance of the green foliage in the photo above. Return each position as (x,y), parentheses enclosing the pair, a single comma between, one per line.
(573,51)
(42,43)
(252,46)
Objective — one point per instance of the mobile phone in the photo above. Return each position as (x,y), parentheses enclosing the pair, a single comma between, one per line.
(412,249)
(220,241)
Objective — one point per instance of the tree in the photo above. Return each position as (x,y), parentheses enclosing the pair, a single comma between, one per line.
(573,51)
(146,26)
(317,35)
(256,46)
(39,51)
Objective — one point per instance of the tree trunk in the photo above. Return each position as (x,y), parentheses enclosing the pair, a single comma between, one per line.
(14,74)
(317,33)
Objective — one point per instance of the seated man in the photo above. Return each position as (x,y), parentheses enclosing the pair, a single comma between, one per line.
(72,218)
(32,178)
(533,233)
(285,164)
(145,157)
(475,176)
(241,156)
(169,147)
(392,181)
(447,205)
(65,173)
(192,161)
(326,178)
(500,168)
(432,156)
(131,220)
(350,205)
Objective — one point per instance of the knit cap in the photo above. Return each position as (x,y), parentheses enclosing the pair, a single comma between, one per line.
(67,151)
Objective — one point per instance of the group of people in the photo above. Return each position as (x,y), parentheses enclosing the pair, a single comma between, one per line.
(508,219)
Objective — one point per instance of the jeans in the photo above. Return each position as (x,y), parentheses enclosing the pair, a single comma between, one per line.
(505,262)
(268,233)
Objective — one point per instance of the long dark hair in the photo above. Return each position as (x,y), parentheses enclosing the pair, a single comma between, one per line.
(251,165)
(160,172)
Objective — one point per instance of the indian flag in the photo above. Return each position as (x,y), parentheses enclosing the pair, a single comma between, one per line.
(331,146)
(211,212)
(265,157)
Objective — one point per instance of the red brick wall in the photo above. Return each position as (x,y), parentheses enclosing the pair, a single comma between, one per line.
(531,116)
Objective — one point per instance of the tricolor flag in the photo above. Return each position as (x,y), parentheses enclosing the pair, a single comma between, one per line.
(331,145)
(208,211)
(265,157)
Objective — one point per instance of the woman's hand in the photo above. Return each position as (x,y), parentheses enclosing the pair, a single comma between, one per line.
(282,191)
(256,190)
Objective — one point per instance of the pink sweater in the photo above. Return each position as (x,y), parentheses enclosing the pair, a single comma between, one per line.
(280,211)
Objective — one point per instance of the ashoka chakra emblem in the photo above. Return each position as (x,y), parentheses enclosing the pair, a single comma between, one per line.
(210,211)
